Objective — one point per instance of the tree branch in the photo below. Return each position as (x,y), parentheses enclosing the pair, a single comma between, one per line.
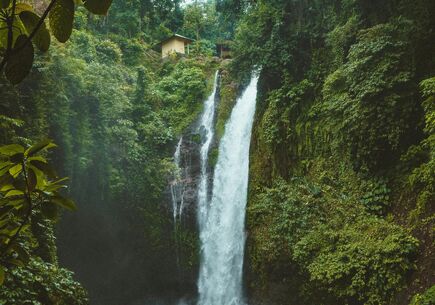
(40,22)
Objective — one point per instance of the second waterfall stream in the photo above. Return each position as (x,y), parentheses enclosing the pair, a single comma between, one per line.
(222,218)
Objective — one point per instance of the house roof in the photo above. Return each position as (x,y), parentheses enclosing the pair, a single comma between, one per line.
(185,39)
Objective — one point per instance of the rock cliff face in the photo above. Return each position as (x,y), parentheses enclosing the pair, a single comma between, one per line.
(186,180)
(192,139)
(188,177)
(190,168)
(329,190)
(182,194)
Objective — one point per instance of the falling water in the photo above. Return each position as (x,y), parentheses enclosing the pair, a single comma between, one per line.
(223,221)
(206,131)
(177,184)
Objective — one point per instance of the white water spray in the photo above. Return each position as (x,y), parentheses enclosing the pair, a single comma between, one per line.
(222,222)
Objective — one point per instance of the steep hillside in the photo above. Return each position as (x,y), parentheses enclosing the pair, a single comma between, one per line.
(115,109)
(341,180)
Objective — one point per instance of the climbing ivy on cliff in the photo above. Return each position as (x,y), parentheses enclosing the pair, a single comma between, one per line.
(341,154)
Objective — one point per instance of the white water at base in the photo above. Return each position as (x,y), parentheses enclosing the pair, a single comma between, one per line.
(222,228)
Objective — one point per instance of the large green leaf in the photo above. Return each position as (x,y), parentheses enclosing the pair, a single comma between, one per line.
(12,149)
(6,188)
(13,193)
(99,7)
(5,170)
(4,164)
(45,144)
(45,168)
(21,7)
(42,36)
(17,30)
(61,19)
(16,170)
(54,187)
(17,158)
(20,61)
(17,202)
(37,158)
(60,180)
(40,177)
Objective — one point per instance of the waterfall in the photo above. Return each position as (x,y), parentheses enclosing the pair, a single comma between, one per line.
(178,188)
(182,175)
(177,184)
(207,132)
(222,221)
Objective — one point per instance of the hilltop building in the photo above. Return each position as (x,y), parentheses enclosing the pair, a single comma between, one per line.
(176,44)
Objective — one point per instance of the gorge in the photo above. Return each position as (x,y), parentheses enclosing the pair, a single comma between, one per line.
(130,175)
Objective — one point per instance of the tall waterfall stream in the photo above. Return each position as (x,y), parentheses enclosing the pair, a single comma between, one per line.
(221,209)
(177,185)
(206,128)
(222,219)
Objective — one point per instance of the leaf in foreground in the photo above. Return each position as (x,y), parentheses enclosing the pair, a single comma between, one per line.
(61,19)
(99,7)
(20,61)
(42,36)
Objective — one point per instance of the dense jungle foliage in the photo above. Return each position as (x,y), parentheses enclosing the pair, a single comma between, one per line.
(114,110)
(342,170)
(342,173)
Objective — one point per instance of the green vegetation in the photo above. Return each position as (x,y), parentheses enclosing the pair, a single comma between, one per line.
(343,251)
(426,298)
(30,198)
(41,283)
(28,186)
(229,89)
(342,172)
(342,156)
(21,28)
(115,110)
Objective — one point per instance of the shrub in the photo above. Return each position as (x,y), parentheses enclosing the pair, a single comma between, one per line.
(83,45)
(426,298)
(41,283)
(108,51)
(203,47)
(317,224)
(366,259)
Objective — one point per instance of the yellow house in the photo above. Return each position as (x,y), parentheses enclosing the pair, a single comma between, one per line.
(175,44)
